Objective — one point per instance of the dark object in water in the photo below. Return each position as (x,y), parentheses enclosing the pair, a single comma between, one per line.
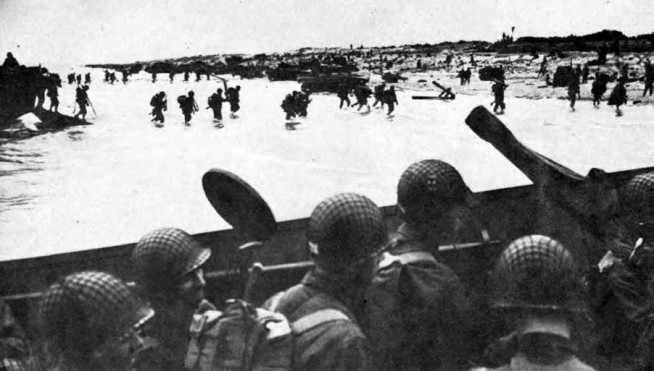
(330,82)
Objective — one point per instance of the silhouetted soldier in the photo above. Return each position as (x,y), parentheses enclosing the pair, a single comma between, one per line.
(343,93)
(232,95)
(53,94)
(189,107)
(573,89)
(361,93)
(618,96)
(302,101)
(649,77)
(379,94)
(288,106)
(185,76)
(390,99)
(125,78)
(584,74)
(171,76)
(79,79)
(159,104)
(498,91)
(10,62)
(82,99)
(87,78)
(215,102)
(154,77)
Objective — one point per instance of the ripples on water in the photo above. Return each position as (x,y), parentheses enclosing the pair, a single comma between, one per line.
(111,182)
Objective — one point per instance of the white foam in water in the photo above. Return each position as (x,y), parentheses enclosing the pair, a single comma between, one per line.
(112,182)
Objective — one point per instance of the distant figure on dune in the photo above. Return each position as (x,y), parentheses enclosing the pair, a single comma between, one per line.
(186,76)
(10,62)
(87,78)
(618,96)
(79,79)
(171,76)
(124,76)
(498,91)
(154,77)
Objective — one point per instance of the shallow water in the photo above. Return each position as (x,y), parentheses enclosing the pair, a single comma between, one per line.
(112,182)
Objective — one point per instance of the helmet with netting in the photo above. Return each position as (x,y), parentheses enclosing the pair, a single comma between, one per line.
(344,229)
(637,197)
(427,187)
(162,257)
(536,272)
(83,310)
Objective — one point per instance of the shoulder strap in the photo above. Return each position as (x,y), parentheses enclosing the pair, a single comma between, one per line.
(410,257)
(315,319)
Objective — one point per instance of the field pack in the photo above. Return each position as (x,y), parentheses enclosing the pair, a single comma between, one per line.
(244,337)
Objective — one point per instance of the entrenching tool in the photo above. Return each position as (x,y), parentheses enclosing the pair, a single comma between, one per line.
(247,212)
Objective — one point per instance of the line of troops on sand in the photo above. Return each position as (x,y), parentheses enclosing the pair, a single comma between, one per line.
(373,301)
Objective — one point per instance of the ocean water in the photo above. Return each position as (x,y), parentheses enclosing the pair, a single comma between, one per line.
(112,182)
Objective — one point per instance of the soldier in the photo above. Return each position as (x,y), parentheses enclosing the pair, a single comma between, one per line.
(536,287)
(302,101)
(186,76)
(154,77)
(215,102)
(361,93)
(598,89)
(345,231)
(87,78)
(289,106)
(618,95)
(82,99)
(232,95)
(622,287)
(390,99)
(167,264)
(189,107)
(498,91)
(649,77)
(171,76)
(159,104)
(416,312)
(91,321)
(343,94)
(53,94)
(573,89)
(379,94)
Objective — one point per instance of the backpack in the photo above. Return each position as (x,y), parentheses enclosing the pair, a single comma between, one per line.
(244,337)
(181,100)
(153,101)
(211,102)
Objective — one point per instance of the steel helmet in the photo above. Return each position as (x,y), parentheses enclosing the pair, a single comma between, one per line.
(428,186)
(536,272)
(85,309)
(344,229)
(162,257)
(637,197)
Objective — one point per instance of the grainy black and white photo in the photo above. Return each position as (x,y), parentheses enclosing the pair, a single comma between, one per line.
(326,185)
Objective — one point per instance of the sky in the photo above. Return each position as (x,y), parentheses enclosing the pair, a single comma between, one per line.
(75,32)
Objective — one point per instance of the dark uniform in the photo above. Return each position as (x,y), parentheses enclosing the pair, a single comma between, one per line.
(216,104)
(649,78)
(233,97)
(159,104)
(289,106)
(390,99)
(91,321)
(82,99)
(416,311)
(163,260)
(189,107)
(53,94)
(573,89)
(379,95)
(344,231)
(623,292)
(618,96)
(498,91)
(598,89)
(537,288)
(343,94)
